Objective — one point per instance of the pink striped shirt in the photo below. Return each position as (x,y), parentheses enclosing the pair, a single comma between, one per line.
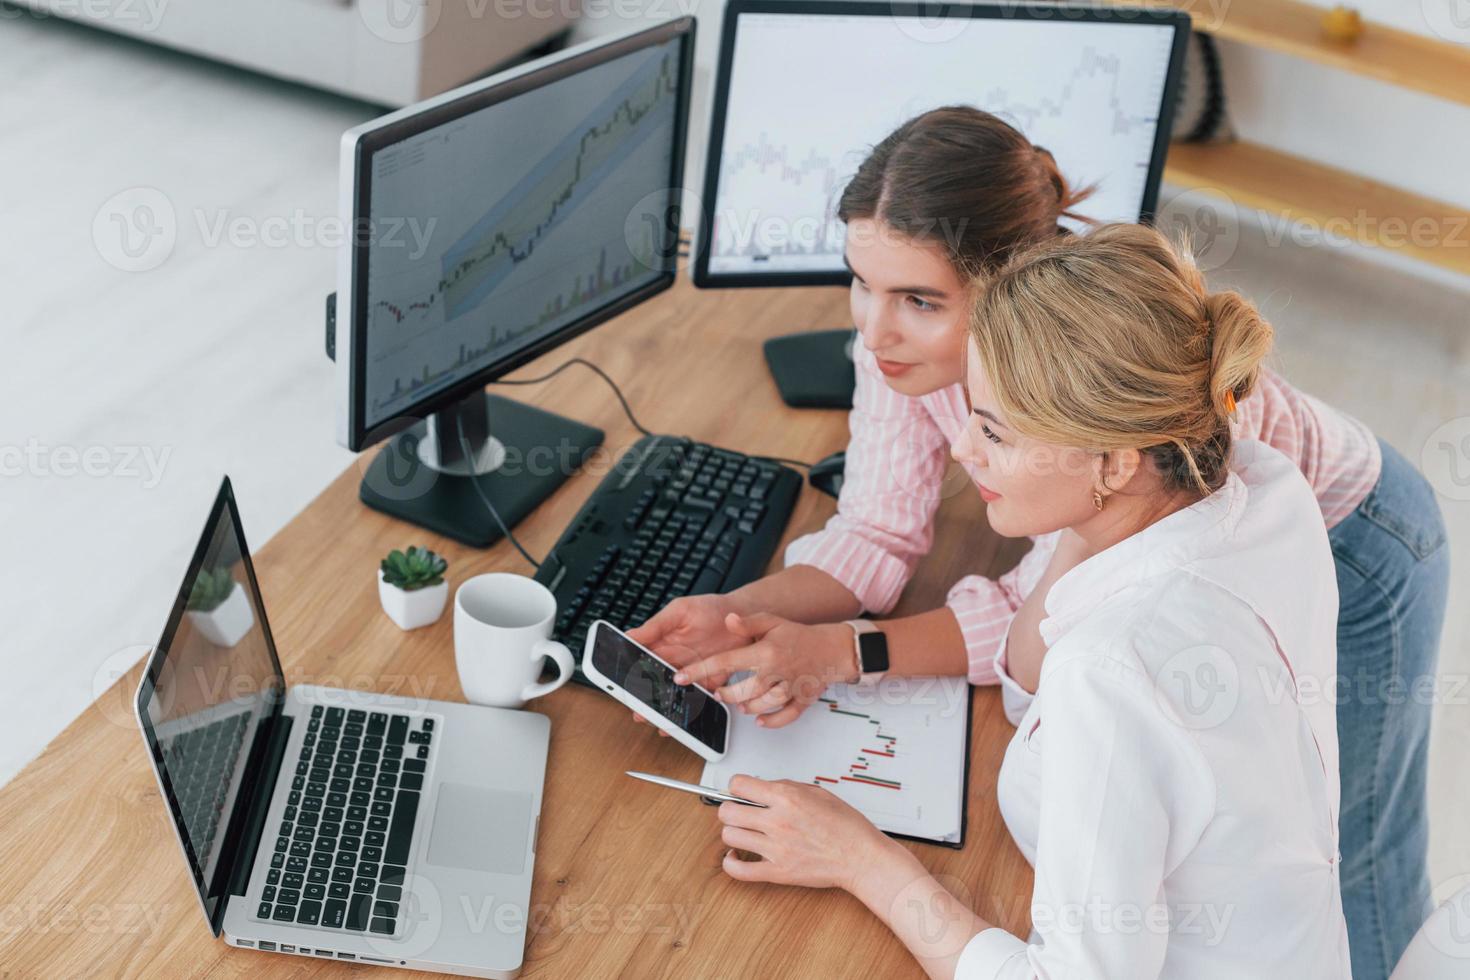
(898,455)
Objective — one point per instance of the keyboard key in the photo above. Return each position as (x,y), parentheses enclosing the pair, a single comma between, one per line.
(392,874)
(428,725)
(363,885)
(283,913)
(423,751)
(383,926)
(377,723)
(414,765)
(277,860)
(371,854)
(368,869)
(273,877)
(288,896)
(311,912)
(264,912)
(316,711)
(339,889)
(292,880)
(342,875)
(318,876)
(411,780)
(397,729)
(357,716)
(388,910)
(375,838)
(400,834)
(357,912)
(314,891)
(334,913)
(321,859)
(335,716)
(268,893)
(296,864)
(389,893)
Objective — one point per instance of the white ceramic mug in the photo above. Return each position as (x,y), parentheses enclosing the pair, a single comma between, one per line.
(502,630)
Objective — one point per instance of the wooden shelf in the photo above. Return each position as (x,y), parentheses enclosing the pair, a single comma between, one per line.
(1411,61)
(1340,204)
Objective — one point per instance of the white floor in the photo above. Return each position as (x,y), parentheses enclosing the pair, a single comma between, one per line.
(212,362)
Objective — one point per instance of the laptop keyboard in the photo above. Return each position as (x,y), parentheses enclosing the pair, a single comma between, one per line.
(342,850)
(201,763)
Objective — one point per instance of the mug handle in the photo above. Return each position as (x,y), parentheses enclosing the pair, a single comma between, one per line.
(564,666)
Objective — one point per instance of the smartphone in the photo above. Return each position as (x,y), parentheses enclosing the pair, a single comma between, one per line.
(636,676)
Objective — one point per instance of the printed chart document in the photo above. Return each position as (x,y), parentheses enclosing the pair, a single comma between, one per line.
(896,751)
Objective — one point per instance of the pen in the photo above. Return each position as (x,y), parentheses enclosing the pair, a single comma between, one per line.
(710,792)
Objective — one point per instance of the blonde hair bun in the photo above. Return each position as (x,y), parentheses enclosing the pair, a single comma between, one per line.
(1239,342)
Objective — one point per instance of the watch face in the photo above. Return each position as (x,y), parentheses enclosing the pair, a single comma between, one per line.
(873,651)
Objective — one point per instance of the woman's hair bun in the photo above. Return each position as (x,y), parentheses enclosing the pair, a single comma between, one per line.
(1240,339)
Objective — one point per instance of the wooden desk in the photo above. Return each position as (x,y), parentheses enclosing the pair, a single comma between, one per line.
(628,879)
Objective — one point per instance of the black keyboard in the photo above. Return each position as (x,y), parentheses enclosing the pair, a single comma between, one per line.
(342,852)
(673,518)
(201,762)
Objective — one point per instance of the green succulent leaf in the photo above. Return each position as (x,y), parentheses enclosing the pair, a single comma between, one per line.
(416,568)
(211,588)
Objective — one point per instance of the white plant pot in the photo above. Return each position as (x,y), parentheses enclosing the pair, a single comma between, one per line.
(410,610)
(225,624)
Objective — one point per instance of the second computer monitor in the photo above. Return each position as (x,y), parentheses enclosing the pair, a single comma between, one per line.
(807,87)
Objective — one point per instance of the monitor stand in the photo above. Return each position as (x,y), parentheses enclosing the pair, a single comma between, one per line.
(813,370)
(521,455)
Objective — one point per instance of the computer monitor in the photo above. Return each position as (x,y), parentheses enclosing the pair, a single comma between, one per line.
(489,225)
(805,88)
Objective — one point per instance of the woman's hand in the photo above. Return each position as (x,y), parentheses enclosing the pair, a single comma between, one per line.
(804,836)
(792,665)
(687,629)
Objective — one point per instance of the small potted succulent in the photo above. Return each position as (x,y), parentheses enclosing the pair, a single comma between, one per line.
(411,587)
(218,608)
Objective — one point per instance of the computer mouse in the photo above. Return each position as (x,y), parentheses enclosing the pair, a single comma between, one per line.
(826,474)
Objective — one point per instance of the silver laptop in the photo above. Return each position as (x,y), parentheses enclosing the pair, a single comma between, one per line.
(332,823)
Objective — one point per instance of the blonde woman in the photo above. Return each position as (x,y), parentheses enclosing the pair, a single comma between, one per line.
(1173,835)
(952,194)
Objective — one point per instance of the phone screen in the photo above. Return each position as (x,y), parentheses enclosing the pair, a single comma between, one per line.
(651,681)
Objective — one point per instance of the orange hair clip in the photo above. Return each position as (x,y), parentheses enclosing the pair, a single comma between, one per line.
(1230,402)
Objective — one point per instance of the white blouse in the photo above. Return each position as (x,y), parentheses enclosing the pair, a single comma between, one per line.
(1174,779)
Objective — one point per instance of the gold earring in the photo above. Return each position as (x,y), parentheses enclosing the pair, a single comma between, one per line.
(1097,499)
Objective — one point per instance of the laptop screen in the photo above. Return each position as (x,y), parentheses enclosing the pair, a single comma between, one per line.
(213,679)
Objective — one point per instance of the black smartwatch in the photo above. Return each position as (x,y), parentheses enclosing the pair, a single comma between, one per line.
(870,650)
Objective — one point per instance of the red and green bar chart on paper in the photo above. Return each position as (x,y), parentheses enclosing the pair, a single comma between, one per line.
(881,746)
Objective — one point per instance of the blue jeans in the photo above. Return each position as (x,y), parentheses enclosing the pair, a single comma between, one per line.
(1392,580)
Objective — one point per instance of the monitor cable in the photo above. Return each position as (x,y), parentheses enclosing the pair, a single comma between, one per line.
(465,448)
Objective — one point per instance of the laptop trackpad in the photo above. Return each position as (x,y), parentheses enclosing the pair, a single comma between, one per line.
(480,828)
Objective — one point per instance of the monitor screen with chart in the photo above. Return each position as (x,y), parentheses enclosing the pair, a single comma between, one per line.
(495,222)
(1093,85)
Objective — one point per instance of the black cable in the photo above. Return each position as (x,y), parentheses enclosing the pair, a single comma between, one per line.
(469,455)
(627,410)
(783,459)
